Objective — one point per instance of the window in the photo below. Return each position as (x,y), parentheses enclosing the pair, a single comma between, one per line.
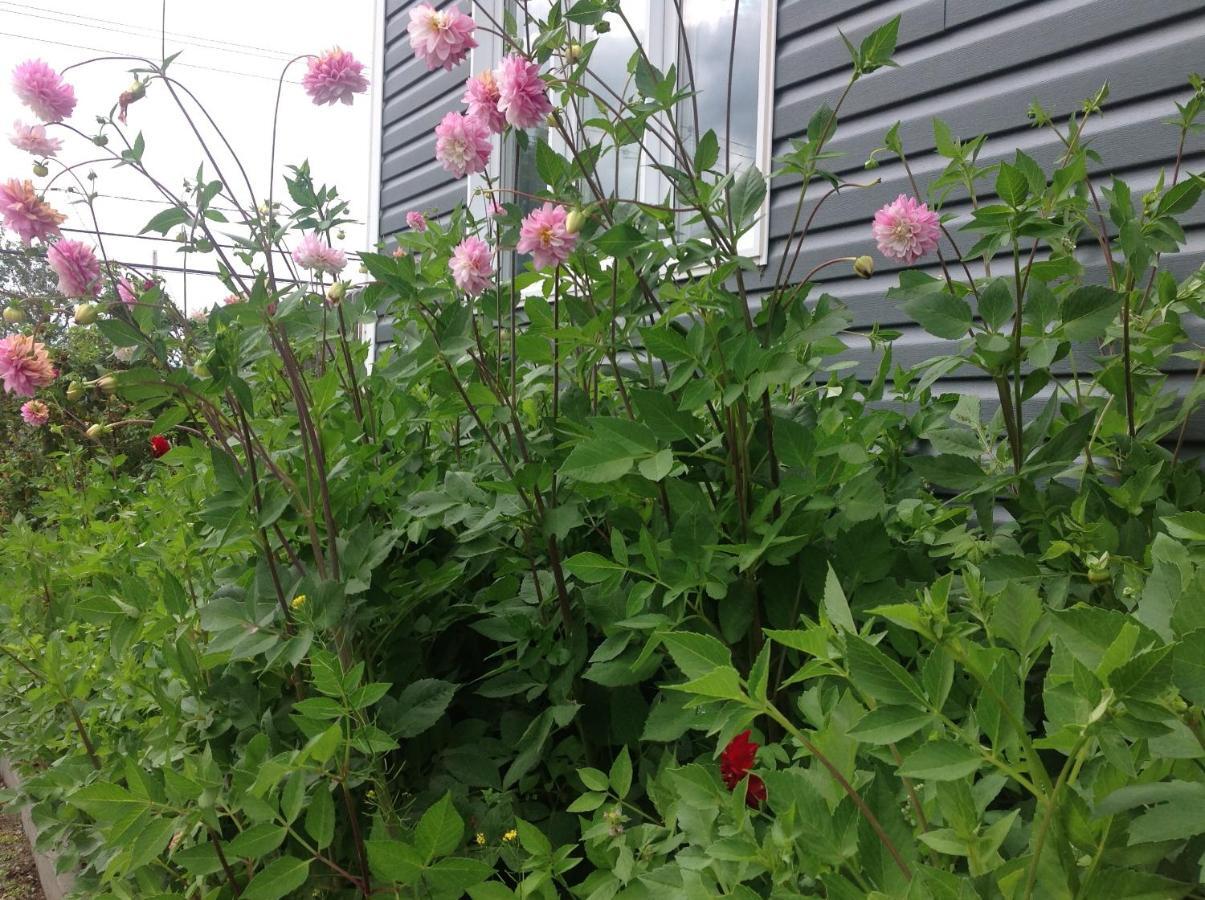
(744,129)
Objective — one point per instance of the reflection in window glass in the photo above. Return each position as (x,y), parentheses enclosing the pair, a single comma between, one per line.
(708,29)
(619,174)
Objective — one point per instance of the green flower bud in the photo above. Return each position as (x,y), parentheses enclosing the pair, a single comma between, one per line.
(13,315)
(85,313)
(39,169)
(107,383)
(864,266)
(574,221)
(336,292)
(75,390)
(95,430)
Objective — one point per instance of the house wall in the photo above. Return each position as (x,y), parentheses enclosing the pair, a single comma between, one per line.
(976,64)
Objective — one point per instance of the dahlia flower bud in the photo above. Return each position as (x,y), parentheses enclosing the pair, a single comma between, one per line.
(575,52)
(133,93)
(200,370)
(95,430)
(107,383)
(864,266)
(85,313)
(39,169)
(336,292)
(100,140)
(341,234)
(12,315)
(574,221)
(551,119)
(75,390)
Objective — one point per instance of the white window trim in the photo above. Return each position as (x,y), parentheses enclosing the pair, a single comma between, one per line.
(376,94)
(755,242)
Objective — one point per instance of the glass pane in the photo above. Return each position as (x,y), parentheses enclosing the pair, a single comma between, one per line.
(708,25)
(619,174)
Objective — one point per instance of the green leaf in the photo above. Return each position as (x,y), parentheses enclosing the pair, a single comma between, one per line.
(658,466)
(165,221)
(394,861)
(278,879)
(722,684)
(876,48)
(592,568)
(707,152)
(835,604)
(939,313)
(106,802)
(880,677)
(1168,822)
(320,816)
(1088,311)
(949,470)
(996,304)
(1011,185)
(587,802)
(696,654)
(619,241)
(422,704)
(452,877)
(888,724)
(1188,666)
(257,841)
(598,461)
(940,761)
(620,776)
(1186,526)
(1144,676)
(593,779)
(439,830)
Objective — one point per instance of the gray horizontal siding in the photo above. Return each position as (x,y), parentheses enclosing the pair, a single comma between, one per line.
(976,64)
(414,100)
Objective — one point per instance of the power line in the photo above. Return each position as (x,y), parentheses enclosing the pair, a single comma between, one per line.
(155,237)
(181,37)
(41,40)
(159,267)
(157,201)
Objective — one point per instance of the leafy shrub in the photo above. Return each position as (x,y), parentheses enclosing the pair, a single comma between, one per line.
(610,579)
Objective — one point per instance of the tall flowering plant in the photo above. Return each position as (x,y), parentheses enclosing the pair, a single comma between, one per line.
(500,617)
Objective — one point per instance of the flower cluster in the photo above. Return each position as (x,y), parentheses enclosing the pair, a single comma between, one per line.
(545,235)
(736,760)
(906,229)
(441,39)
(316,255)
(24,365)
(334,77)
(35,413)
(33,139)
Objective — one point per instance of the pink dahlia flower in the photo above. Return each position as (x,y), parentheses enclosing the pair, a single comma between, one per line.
(35,413)
(28,214)
(313,253)
(440,39)
(232,299)
(43,90)
(24,365)
(126,292)
(472,265)
(77,268)
(544,236)
(906,229)
(522,94)
(33,139)
(462,144)
(481,96)
(336,75)
(416,220)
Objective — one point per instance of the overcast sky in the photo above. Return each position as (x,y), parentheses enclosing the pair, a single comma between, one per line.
(231,54)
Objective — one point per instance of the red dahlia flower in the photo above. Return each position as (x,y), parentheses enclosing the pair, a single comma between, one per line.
(159,446)
(736,761)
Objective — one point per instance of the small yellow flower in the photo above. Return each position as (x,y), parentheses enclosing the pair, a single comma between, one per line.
(510,835)
(298,601)
(480,839)
(370,794)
